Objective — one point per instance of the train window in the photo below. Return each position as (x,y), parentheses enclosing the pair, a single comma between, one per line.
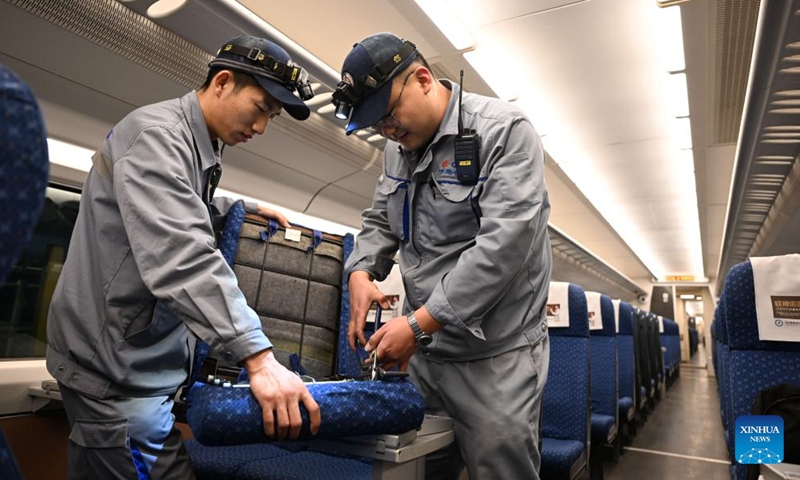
(27,291)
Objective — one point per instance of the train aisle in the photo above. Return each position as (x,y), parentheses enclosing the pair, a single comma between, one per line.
(683,438)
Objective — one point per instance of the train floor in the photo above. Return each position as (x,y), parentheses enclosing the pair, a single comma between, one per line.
(683,437)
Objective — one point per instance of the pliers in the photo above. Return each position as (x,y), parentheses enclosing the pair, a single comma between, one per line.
(376,372)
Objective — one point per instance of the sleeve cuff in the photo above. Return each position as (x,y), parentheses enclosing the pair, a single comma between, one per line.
(245,345)
(377,266)
(443,312)
(251,207)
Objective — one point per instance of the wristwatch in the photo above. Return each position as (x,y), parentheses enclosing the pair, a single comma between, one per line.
(421,338)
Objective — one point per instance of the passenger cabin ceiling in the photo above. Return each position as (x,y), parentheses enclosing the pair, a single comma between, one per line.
(585,70)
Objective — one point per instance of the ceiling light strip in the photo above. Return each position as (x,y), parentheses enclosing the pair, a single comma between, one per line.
(447,21)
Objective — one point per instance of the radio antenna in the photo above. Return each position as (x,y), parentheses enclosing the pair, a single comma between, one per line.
(460,89)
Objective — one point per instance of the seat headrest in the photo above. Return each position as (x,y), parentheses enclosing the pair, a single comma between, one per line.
(740,319)
(578,315)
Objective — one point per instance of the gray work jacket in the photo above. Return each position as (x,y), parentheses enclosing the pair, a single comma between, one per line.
(142,268)
(478,257)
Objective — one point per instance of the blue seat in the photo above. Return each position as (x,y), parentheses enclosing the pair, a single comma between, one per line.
(643,363)
(670,342)
(604,385)
(24,165)
(626,359)
(676,346)
(284,460)
(281,460)
(713,333)
(750,358)
(565,405)
(723,363)
(654,350)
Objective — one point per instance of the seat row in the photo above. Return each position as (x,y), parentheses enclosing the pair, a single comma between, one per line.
(610,362)
(754,347)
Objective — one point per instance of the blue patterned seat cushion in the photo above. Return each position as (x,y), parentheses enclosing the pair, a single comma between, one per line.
(603,351)
(24,165)
(559,458)
(601,427)
(231,415)
(625,360)
(565,408)
(752,371)
(279,461)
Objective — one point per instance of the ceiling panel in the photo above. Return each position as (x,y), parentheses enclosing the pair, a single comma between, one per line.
(719,170)
(716,227)
(587,63)
(476,14)
(329,29)
(597,87)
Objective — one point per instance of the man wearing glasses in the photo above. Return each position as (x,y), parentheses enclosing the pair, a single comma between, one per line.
(474,254)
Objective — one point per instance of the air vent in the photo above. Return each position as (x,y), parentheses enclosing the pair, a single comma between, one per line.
(736,27)
(126,33)
(114,26)
(761,198)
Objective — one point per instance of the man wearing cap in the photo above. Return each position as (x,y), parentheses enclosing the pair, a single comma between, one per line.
(474,255)
(143,271)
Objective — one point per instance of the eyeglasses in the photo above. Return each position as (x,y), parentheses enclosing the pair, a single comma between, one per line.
(389,120)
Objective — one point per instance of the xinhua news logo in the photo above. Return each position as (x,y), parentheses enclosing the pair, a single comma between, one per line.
(759,439)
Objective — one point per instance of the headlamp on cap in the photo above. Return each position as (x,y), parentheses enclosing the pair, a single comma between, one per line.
(290,75)
(350,92)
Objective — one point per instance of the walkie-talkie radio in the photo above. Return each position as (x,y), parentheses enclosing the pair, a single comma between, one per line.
(467,145)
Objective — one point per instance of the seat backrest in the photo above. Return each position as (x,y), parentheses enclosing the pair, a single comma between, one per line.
(675,343)
(712,331)
(654,347)
(723,358)
(24,166)
(754,364)
(667,338)
(644,363)
(565,409)
(625,352)
(604,362)
(297,290)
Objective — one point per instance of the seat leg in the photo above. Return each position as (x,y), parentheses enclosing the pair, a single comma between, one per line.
(614,450)
(596,462)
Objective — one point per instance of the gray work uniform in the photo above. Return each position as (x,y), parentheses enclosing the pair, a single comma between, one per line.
(478,257)
(142,269)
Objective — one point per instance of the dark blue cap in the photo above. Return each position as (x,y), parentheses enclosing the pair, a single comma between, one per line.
(362,60)
(267,79)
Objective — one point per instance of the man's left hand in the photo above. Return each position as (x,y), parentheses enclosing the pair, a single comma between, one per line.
(395,344)
(271,214)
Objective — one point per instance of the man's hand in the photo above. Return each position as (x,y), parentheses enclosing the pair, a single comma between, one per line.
(271,214)
(394,342)
(362,293)
(279,392)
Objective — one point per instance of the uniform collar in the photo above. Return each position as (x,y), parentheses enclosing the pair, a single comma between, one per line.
(209,153)
(449,125)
